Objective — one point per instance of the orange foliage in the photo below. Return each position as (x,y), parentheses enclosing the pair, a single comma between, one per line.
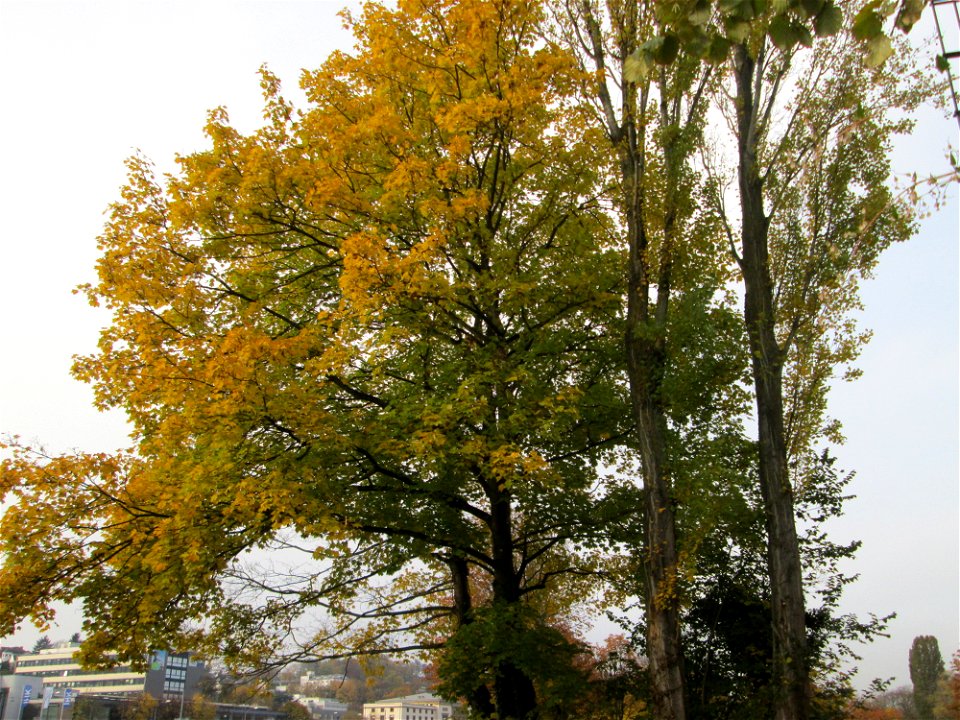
(863,713)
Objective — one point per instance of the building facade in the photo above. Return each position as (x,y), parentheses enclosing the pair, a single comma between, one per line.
(8,658)
(170,677)
(323,708)
(14,690)
(422,706)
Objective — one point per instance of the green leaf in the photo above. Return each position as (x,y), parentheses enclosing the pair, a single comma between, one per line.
(696,44)
(665,13)
(868,24)
(737,30)
(637,66)
(783,32)
(879,49)
(746,10)
(910,11)
(667,51)
(718,50)
(943,64)
(829,21)
(812,8)
(701,13)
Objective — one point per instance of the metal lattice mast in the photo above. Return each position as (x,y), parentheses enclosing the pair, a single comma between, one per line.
(946,15)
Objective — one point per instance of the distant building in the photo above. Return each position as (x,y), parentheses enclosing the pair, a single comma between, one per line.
(8,657)
(170,676)
(322,708)
(422,706)
(310,677)
(14,690)
(227,711)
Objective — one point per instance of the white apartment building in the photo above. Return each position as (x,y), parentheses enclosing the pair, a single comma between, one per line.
(310,677)
(422,706)
(170,676)
(58,668)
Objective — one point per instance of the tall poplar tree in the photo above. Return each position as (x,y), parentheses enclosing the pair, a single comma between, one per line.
(682,391)
(812,125)
(810,108)
(926,670)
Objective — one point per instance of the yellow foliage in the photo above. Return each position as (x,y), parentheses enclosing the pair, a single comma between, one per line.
(362,325)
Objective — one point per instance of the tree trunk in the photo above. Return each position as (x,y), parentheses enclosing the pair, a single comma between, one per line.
(646,357)
(479,697)
(645,345)
(791,673)
(515,695)
(511,695)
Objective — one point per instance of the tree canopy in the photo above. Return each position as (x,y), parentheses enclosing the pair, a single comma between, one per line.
(379,330)
(460,338)
(926,670)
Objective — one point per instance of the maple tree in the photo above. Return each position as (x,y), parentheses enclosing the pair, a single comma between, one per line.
(378,331)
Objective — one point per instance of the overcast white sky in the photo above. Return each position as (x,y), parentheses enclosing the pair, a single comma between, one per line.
(83,84)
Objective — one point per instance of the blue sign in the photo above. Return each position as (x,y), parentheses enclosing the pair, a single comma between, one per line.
(27,692)
(68,695)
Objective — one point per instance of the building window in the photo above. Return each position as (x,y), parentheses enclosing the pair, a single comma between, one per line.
(173,686)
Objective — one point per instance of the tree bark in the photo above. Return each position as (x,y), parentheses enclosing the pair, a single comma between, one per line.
(512,694)
(515,695)
(646,355)
(645,342)
(791,673)
(479,697)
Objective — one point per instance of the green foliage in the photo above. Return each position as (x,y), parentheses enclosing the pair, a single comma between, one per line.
(926,670)
(141,707)
(502,639)
(729,650)
(709,28)
(728,642)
